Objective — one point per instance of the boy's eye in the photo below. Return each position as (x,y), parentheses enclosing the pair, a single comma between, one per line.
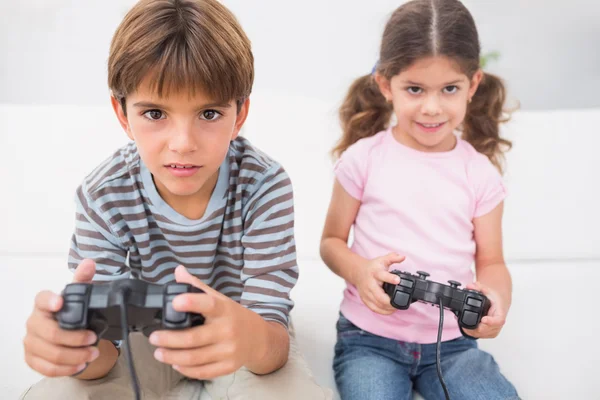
(154,115)
(451,89)
(414,90)
(210,115)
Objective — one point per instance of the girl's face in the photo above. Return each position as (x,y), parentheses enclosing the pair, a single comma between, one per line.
(430,101)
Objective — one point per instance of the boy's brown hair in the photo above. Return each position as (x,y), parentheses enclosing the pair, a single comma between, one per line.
(181,45)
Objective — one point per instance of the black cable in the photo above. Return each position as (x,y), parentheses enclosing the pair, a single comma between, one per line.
(125,327)
(438,350)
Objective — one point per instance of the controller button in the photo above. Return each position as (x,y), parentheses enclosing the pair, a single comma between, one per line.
(172,316)
(76,288)
(423,274)
(401,299)
(406,283)
(454,284)
(177,288)
(473,302)
(469,318)
(72,313)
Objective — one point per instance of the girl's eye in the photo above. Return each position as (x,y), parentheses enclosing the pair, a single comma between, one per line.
(154,115)
(414,90)
(210,115)
(451,89)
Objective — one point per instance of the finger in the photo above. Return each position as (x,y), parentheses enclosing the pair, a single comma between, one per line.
(199,303)
(474,286)
(377,307)
(495,321)
(208,371)
(385,276)
(191,338)
(195,357)
(85,271)
(379,310)
(380,297)
(43,326)
(47,301)
(46,368)
(392,258)
(59,355)
(183,276)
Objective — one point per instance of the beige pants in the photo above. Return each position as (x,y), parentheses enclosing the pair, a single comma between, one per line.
(160,381)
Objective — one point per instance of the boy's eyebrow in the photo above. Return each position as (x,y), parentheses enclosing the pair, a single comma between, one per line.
(445,84)
(147,104)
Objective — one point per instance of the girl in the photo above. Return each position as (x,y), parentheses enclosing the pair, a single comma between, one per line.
(423,194)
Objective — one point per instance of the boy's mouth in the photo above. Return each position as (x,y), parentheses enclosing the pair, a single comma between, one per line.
(182,170)
(182,166)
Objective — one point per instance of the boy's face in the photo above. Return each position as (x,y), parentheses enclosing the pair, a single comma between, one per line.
(182,139)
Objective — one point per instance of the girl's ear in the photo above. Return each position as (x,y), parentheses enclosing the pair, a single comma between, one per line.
(384,86)
(475,81)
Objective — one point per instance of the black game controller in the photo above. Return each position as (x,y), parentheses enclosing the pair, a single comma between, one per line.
(468,305)
(114,309)
(148,307)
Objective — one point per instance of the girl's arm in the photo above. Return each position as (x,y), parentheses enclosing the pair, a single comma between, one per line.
(342,212)
(493,278)
(366,275)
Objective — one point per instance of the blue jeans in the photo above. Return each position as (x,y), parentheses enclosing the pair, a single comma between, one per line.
(368,366)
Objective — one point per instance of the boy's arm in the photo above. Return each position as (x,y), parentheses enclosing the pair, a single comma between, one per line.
(270,268)
(94,239)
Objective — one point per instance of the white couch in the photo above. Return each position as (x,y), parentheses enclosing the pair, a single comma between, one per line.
(551,230)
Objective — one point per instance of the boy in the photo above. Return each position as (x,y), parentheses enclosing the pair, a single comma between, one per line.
(188,201)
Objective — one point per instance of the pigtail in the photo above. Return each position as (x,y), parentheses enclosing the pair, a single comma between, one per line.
(485,113)
(363,113)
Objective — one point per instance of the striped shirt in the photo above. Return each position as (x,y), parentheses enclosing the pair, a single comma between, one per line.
(243,246)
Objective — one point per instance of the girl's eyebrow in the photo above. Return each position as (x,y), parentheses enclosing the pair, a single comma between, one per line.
(420,84)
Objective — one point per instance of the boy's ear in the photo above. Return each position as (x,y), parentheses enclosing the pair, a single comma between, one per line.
(121,116)
(384,86)
(241,118)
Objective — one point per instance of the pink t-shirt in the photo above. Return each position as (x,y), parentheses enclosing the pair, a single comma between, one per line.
(420,205)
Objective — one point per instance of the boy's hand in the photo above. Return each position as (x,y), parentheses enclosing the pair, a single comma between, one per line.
(52,351)
(225,342)
(491,324)
(369,281)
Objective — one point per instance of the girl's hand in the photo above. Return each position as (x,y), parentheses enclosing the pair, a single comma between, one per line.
(369,281)
(491,324)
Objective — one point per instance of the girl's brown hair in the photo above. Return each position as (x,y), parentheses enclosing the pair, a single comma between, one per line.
(419,29)
(181,45)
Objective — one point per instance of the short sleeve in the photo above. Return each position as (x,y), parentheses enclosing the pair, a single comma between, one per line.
(488,185)
(269,248)
(351,169)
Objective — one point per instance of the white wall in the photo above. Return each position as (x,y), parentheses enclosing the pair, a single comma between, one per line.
(55,51)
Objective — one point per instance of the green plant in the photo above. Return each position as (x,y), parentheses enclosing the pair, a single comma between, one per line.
(485,59)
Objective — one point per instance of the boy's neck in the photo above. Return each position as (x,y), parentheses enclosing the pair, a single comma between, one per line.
(193,206)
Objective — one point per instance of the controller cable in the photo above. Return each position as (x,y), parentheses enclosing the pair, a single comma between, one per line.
(438,350)
(125,330)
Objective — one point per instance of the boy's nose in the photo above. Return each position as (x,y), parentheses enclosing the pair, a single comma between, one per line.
(182,140)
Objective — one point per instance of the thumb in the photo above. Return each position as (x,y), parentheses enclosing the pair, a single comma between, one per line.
(85,272)
(392,258)
(183,276)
